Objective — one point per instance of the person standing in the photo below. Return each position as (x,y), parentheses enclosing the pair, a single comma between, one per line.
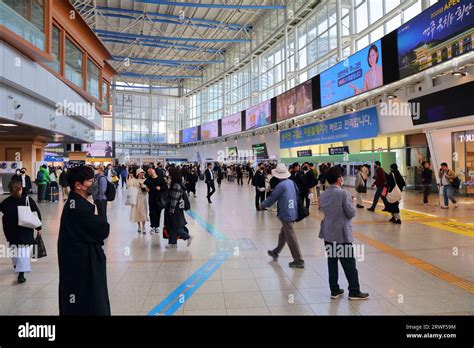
(156,187)
(336,231)
(123,175)
(240,175)
(285,196)
(250,171)
(53,186)
(25,181)
(211,188)
(82,261)
(159,170)
(100,198)
(16,176)
(447,176)
(426,181)
(139,211)
(308,183)
(379,183)
(18,237)
(220,176)
(361,184)
(259,183)
(394,179)
(191,180)
(63,182)
(174,216)
(42,180)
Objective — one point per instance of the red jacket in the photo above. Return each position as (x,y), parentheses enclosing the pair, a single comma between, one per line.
(380,178)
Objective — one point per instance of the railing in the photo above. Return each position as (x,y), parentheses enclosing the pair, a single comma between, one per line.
(20,26)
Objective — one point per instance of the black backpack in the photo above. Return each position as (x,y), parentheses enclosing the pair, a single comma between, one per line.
(110,192)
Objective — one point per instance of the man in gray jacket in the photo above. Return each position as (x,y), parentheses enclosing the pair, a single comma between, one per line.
(100,198)
(285,194)
(336,230)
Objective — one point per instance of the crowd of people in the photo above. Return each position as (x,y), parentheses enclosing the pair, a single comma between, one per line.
(152,190)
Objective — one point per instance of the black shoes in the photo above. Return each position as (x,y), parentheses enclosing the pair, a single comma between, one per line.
(296,264)
(359,296)
(371,209)
(392,219)
(337,294)
(397,221)
(21,278)
(360,206)
(272,254)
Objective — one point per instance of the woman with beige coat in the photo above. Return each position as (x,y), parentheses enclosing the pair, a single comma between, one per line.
(361,184)
(139,212)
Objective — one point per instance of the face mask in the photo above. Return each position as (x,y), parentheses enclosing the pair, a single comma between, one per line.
(89,191)
(17,173)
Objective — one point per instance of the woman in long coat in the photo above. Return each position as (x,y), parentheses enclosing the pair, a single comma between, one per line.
(394,178)
(139,213)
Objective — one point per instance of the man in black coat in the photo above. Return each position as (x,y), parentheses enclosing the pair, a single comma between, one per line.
(82,261)
(211,188)
(25,180)
(259,183)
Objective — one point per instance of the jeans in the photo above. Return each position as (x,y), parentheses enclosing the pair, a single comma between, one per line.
(173,235)
(124,181)
(448,194)
(377,195)
(348,263)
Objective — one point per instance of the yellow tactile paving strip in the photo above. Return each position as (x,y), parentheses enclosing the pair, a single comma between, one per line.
(418,263)
(466,229)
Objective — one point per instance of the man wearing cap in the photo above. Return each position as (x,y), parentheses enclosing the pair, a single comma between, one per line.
(285,194)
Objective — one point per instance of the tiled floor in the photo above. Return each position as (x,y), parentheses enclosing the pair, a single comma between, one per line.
(142,273)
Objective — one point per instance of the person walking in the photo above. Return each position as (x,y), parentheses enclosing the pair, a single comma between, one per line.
(426,181)
(308,183)
(250,171)
(53,186)
(211,188)
(156,187)
(82,261)
(18,237)
(285,196)
(139,211)
(336,231)
(99,196)
(220,176)
(394,179)
(123,175)
(42,180)
(380,182)
(259,183)
(174,216)
(446,177)
(361,184)
(240,175)
(191,180)
(63,182)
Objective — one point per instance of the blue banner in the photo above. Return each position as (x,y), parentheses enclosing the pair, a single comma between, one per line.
(358,125)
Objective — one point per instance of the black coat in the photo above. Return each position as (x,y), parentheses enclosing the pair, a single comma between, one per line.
(207,173)
(176,220)
(63,179)
(394,207)
(27,182)
(17,235)
(82,261)
(259,179)
(298,178)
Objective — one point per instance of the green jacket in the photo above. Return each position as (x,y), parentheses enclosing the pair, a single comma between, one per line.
(46,178)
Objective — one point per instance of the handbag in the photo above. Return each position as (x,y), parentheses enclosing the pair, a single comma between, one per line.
(132,196)
(115,179)
(41,249)
(396,194)
(362,188)
(28,218)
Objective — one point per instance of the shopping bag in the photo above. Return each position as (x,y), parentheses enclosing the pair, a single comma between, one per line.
(132,196)
(396,194)
(26,217)
(40,248)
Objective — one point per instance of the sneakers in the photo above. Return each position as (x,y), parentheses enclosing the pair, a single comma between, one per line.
(392,219)
(444,207)
(371,209)
(189,240)
(359,296)
(272,254)
(171,246)
(157,230)
(337,294)
(152,230)
(296,264)
(397,221)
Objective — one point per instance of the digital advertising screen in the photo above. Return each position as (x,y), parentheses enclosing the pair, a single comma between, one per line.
(54,152)
(440,33)
(232,152)
(258,116)
(209,130)
(260,151)
(297,101)
(359,73)
(232,124)
(190,135)
(99,149)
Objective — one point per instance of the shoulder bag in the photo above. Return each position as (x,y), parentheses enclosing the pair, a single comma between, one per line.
(26,217)
(395,195)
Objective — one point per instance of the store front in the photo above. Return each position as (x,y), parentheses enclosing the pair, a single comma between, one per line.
(463,159)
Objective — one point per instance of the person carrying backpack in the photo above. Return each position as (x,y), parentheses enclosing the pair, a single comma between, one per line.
(42,180)
(448,181)
(100,194)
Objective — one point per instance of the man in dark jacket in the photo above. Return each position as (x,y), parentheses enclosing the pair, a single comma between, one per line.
(426,180)
(379,183)
(82,261)
(259,183)
(211,188)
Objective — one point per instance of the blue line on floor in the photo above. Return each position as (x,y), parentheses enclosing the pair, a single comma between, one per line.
(186,289)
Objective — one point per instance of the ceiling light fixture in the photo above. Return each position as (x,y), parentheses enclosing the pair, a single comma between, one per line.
(8,125)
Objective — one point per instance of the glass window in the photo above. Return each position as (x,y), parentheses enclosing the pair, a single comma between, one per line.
(105,96)
(73,64)
(93,86)
(55,52)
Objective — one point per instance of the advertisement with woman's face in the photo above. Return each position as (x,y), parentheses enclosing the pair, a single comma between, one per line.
(357,74)
(297,101)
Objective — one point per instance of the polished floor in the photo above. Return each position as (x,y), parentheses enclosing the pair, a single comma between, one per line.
(424,266)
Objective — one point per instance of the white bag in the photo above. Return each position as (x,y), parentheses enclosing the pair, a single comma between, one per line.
(132,196)
(395,195)
(28,218)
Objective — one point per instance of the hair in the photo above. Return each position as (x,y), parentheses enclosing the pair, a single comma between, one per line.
(444,164)
(423,163)
(176,176)
(394,167)
(333,174)
(374,48)
(378,163)
(15,188)
(44,166)
(23,169)
(79,174)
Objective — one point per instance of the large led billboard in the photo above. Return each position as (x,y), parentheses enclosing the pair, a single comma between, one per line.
(297,101)
(258,116)
(232,124)
(190,135)
(209,130)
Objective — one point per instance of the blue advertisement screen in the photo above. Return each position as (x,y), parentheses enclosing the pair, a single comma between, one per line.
(442,32)
(190,135)
(357,74)
(358,125)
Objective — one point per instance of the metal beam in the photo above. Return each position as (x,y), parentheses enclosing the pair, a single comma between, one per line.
(165,61)
(220,6)
(153,37)
(192,68)
(158,77)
